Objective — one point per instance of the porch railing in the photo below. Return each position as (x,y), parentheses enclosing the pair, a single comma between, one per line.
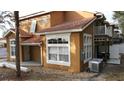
(103,30)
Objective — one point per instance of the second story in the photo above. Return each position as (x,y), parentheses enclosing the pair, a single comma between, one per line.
(42,20)
(103,27)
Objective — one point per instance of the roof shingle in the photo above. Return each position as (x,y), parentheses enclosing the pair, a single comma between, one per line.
(69,25)
(34,39)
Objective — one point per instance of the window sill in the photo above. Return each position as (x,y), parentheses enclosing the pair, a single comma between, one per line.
(58,63)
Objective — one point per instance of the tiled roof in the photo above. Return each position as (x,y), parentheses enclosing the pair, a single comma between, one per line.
(69,25)
(34,39)
(24,33)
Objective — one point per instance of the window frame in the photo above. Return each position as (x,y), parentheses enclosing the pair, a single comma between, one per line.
(67,37)
(33,26)
(14,45)
(87,43)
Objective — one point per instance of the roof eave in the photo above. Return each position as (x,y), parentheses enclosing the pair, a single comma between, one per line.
(8,33)
(59,31)
(33,15)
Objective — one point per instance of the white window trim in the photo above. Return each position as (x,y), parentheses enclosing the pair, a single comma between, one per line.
(86,44)
(67,35)
(10,47)
(33,26)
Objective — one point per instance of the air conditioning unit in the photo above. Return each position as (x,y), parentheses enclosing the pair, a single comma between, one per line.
(95,65)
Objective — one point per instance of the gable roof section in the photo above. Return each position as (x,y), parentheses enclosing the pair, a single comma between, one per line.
(72,26)
(21,32)
(8,32)
(25,34)
(34,40)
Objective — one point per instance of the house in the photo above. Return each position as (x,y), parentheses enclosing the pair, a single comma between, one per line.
(55,39)
(103,37)
(3,42)
(118,36)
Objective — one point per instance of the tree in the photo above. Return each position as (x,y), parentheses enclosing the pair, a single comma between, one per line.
(16,14)
(119,17)
(11,20)
(6,20)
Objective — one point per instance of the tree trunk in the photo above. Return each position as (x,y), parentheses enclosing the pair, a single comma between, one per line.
(16,14)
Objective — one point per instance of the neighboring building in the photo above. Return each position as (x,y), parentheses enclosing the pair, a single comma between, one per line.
(3,42)
(118,37)
(103,37)
(56,39)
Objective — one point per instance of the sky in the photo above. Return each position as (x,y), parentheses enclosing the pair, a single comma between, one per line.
(108,15)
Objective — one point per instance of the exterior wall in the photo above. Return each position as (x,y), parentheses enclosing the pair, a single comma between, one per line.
(88,30)
(26,24)
(57,17)
(35,53)
(74,54)
(54,18)
(76,15)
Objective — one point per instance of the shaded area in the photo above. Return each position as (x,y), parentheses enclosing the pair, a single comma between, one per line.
(3,53)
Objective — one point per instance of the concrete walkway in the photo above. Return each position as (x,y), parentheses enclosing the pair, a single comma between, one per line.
(28,64)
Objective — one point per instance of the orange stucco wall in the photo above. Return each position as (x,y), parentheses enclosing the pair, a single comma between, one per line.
(74,54)
(35,53)
(76,15)
(57,17)
(26,24)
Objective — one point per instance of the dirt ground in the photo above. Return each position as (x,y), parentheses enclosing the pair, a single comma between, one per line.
(110,72)
(43,74)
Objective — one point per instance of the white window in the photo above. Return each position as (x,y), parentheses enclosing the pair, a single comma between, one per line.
(33,26)
(87,47)
(58,49)
(12,48)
